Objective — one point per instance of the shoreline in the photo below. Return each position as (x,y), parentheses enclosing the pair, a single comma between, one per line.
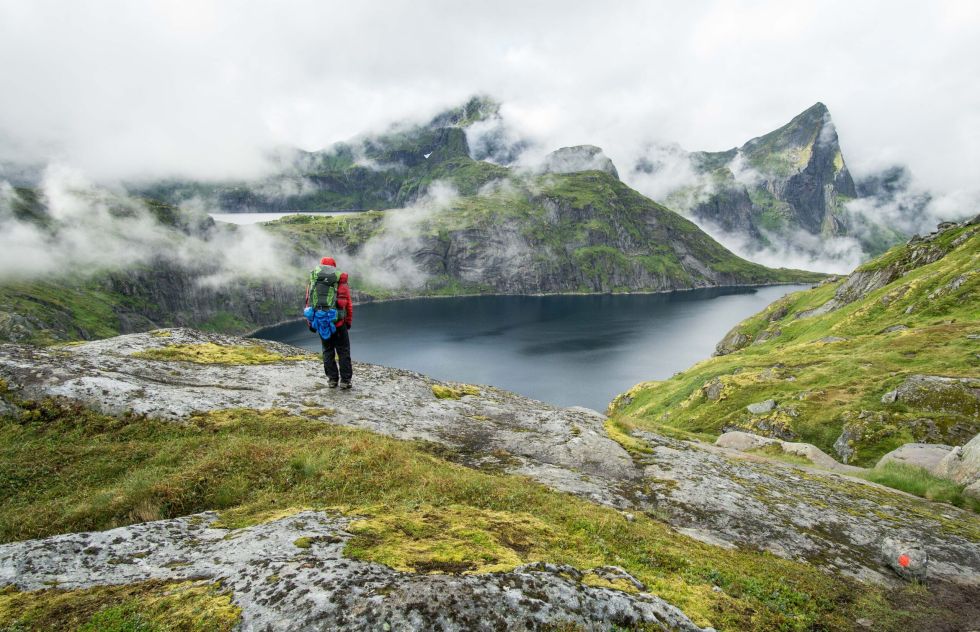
(252,333)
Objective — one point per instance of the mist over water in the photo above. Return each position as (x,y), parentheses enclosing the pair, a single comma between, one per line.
(566,350)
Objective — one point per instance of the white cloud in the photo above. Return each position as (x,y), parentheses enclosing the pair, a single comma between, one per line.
(130,88)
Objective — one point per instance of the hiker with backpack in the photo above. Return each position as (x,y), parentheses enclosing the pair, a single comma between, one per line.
(330,313)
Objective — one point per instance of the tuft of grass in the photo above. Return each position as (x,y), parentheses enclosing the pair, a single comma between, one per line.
(453,539)
(152,606)
(918,481)
(211,353)
(454,391)
(66,469)
(775,451)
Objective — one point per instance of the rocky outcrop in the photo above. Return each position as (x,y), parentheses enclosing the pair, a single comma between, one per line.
(962,465)
(565,448)
(933,393)
(281,586)
(578,158)
(921,251)
(718,495)
(747,442)
(723,495)
(924,455)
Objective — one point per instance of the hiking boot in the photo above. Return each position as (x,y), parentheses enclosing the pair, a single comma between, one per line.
(345,385)
(332,384)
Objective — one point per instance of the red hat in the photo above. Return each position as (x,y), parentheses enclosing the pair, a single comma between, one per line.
(328,261)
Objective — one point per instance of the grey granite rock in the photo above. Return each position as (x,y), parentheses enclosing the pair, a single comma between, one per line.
(924,455)
(280,586)
(761,408)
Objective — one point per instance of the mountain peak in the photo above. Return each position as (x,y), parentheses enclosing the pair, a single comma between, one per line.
(579,158)
(478,107)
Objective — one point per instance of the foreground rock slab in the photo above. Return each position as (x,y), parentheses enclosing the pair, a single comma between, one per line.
(727,497)
(282,586)
(722,496)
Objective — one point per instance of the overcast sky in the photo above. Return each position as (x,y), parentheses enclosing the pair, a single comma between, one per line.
(129,88)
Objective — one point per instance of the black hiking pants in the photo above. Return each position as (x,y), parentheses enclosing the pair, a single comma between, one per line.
(337,345)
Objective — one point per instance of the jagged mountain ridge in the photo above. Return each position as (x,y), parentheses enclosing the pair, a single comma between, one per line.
(772,188)
(559,230)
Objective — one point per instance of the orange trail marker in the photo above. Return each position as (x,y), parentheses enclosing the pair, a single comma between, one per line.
(904,560)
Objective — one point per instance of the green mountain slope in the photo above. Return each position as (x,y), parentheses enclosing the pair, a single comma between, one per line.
(578,232)
(857,366)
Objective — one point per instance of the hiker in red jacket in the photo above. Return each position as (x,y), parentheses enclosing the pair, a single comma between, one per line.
(337,346)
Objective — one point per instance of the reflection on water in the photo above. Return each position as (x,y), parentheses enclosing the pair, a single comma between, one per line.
(568,350)
(255,218)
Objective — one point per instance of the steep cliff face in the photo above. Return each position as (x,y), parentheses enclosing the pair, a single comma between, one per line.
(795,174)
(771,189)
(138,299)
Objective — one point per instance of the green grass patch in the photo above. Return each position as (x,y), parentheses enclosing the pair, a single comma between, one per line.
(918,481)
(454,391)
(152,606)
(211,353)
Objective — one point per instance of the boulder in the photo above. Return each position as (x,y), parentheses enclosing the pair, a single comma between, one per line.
(844,445)
(973,491)
(962,464)
(924,455)
(732,342)
(908,559)
(743,441)
(713,389)
(761,408)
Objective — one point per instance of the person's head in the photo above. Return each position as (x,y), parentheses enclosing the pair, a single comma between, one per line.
(328,261)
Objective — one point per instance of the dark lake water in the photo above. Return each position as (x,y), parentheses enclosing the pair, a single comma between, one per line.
(567,350)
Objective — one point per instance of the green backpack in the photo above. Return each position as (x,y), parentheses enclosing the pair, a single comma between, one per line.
(323,289)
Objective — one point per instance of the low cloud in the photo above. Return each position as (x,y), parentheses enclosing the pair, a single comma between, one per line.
(90,230)
(389,260)
(801,250)
(663,170)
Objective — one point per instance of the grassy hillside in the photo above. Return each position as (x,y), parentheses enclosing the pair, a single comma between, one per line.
(830,356)
(66,469)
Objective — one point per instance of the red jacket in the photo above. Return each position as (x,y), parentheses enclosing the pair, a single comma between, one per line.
(343,299)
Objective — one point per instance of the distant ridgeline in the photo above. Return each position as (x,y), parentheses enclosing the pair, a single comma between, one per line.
(571,226)
(378,171)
